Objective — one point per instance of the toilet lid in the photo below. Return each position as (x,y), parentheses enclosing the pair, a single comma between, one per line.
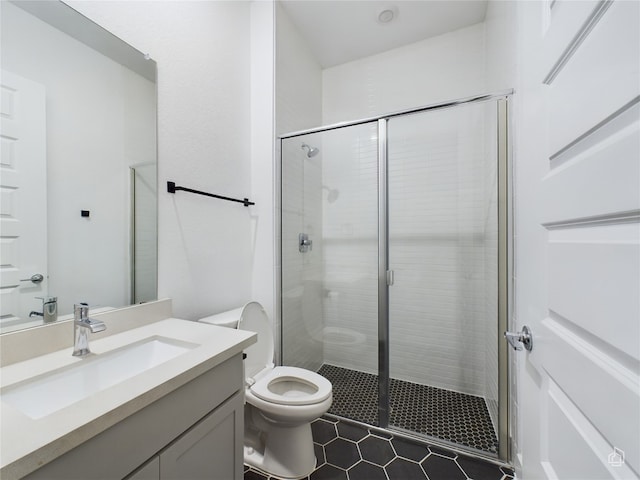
(260,354)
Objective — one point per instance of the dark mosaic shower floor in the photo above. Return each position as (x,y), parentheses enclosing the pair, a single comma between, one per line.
(451,416)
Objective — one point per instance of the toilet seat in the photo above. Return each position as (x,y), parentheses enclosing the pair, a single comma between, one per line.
(286,386)
(292,386)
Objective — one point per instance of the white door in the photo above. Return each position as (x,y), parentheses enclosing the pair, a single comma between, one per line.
(577,239)
(23,210)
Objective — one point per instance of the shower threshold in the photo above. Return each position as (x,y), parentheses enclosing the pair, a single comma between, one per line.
(424,410)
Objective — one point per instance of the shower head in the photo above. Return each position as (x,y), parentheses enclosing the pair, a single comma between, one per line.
(311,151)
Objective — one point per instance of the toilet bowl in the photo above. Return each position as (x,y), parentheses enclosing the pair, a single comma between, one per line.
(281,402)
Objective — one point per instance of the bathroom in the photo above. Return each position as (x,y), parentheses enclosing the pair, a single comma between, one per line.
(233,76)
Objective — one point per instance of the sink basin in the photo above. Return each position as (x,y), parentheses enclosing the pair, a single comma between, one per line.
(48,393)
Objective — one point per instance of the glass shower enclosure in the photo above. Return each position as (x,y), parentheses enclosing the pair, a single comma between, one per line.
(394,269)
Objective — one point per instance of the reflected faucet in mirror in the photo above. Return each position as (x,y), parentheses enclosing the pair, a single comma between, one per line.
(49,309)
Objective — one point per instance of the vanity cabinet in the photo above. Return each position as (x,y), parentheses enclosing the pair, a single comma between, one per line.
(194,432)
(203,452)
(149,471)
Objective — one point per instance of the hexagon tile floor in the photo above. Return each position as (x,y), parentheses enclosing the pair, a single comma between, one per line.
(347,451)
(452,416)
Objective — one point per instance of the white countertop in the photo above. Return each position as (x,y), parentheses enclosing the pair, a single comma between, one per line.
(27,443)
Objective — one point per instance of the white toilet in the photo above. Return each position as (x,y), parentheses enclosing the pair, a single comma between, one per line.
(281,402)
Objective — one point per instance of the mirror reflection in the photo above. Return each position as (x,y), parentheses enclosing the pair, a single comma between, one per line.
(78,176)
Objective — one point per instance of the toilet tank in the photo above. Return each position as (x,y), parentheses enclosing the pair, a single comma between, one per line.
(227,319)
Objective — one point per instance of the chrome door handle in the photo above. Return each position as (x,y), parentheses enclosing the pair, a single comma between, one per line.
(35,278)
(518,339)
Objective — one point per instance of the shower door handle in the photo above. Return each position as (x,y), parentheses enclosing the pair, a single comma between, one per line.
(304,244)
(390,278)
(518,339)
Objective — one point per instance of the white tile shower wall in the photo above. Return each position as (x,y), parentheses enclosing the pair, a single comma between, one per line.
(301,347)
(436,221)
(441,68)
(490,260)
(350,235)
(298,106)
(436,241)
(146,228)
(439,294)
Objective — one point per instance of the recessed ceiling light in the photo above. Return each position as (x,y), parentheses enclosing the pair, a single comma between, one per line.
(387,15)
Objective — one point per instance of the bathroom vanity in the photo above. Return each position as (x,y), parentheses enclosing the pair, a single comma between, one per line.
(167,402)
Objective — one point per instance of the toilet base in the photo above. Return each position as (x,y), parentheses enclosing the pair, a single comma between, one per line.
(281,451)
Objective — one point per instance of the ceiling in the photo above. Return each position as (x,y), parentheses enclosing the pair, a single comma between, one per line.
(340,31)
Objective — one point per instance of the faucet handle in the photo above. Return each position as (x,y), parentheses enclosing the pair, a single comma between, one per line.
(48,299)
(80,311)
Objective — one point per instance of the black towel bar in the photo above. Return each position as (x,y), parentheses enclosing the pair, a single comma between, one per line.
(171,188)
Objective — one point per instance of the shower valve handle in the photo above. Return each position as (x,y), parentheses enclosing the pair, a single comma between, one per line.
(304,244)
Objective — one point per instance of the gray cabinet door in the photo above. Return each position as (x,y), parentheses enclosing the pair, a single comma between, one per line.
(211,449)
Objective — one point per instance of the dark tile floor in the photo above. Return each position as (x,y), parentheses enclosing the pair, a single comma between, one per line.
(347,451)
(452,416)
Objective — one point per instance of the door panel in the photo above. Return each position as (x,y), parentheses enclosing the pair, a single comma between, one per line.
(567,22)
(611,388)
(603,164)
(581,286)
(577,240)
(599,78)
(568,434)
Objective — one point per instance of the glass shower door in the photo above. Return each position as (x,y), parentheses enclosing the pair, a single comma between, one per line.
(329,262)
(442,241)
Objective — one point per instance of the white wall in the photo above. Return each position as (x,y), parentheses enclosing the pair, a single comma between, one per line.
(262,146)
(92,103)
(204,142)
(501,45)
(298,79)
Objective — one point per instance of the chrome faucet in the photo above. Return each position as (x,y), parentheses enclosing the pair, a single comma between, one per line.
(82,326)
(49,309)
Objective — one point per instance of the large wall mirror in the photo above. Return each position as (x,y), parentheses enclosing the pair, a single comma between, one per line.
(78,170)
